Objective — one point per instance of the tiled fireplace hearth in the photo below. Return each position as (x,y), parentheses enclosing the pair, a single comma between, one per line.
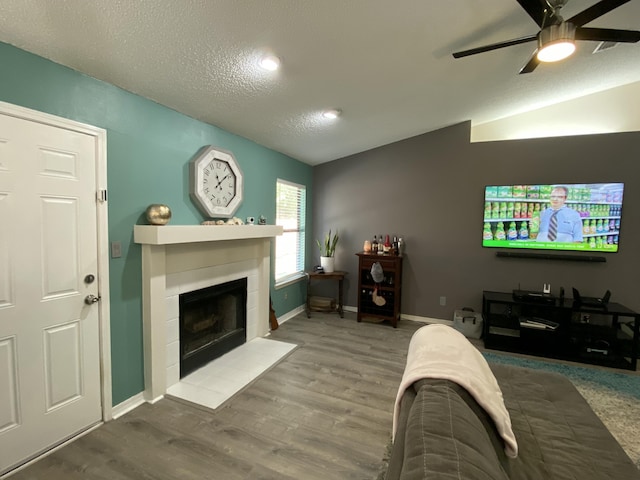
(178,259)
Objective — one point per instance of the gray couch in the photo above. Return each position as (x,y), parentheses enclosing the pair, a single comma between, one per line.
(442,433)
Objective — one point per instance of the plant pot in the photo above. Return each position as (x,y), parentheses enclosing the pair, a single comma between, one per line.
(327,263)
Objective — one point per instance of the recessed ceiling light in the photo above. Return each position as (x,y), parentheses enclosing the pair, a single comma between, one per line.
(332,114)
(270,62)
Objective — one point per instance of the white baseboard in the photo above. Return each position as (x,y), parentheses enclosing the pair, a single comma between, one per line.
(128,405)
(417,318)
(290,314)
(414,318)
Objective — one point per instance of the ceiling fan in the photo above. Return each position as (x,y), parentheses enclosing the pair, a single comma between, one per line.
(556,38)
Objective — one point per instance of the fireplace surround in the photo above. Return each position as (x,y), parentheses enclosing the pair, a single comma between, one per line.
(181,258)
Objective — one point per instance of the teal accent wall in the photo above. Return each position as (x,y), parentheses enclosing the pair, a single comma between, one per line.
(148,151)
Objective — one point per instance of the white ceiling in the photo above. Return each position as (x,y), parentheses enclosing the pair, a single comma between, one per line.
(387,65)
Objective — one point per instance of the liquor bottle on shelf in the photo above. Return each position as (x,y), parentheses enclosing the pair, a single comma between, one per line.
(380,245)
(386,248)
(374,245)
(400,245)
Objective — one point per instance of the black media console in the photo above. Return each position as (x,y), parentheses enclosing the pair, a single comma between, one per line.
(560,328)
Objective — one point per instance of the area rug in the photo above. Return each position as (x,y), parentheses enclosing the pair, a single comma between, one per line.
(613,396)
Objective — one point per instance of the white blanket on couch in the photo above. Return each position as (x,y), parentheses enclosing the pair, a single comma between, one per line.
(439,351)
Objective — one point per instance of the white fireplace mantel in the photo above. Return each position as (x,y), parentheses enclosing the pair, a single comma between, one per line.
(172,234)
(204,255)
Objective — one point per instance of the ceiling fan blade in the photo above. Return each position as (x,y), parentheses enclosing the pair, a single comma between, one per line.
(531,64)
(536,10)
(494,46)
(595,11)
(607,35)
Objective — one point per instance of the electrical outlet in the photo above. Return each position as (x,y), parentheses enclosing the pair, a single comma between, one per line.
(116,249)
(443,301)
(286,295)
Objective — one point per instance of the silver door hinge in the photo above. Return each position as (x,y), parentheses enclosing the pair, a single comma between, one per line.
(102,196)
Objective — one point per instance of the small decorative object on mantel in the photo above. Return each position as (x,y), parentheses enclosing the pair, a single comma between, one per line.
(231,221)
(262,220)
(158,214)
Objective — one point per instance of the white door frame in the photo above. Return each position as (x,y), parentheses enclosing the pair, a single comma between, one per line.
(100,136)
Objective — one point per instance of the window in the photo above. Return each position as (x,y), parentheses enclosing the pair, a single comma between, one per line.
(291,206)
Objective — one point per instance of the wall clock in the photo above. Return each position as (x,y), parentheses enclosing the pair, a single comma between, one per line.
(216,184)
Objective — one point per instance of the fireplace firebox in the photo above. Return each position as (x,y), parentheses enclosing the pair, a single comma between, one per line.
(213,321)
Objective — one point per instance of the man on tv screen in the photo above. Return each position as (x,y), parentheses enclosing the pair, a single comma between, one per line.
(559,223)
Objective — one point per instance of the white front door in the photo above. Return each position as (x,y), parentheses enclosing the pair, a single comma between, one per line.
(50,384)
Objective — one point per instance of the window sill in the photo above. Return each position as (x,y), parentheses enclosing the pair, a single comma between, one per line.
(286,281)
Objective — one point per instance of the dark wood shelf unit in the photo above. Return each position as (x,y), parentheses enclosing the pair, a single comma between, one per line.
(606,336)
(390,289)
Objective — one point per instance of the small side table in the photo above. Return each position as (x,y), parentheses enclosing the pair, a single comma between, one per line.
(336,275)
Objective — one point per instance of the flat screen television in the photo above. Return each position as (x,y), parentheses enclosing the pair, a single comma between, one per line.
(582,217)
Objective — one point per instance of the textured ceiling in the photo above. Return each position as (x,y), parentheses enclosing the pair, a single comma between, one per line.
(387,65)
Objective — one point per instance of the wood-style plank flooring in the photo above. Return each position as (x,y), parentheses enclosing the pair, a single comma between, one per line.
(324,412)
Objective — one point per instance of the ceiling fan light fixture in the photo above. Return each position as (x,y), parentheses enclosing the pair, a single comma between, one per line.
(556,42)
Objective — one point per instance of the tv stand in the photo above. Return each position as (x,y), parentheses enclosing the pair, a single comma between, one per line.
(562,329)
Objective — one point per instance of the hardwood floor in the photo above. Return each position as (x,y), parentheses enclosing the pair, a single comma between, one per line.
(324,412)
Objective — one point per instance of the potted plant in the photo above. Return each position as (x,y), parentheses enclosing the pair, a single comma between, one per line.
(327,249)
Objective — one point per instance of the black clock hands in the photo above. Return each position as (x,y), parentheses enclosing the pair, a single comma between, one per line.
(220,181)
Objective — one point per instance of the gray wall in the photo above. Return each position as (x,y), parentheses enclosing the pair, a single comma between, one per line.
(430,190)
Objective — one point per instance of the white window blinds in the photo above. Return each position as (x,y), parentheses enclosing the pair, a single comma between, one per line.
(290,214)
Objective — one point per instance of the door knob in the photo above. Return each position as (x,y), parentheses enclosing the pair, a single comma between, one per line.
(91,299)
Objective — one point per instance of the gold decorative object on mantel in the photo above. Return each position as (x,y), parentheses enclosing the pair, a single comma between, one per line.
(158,214)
